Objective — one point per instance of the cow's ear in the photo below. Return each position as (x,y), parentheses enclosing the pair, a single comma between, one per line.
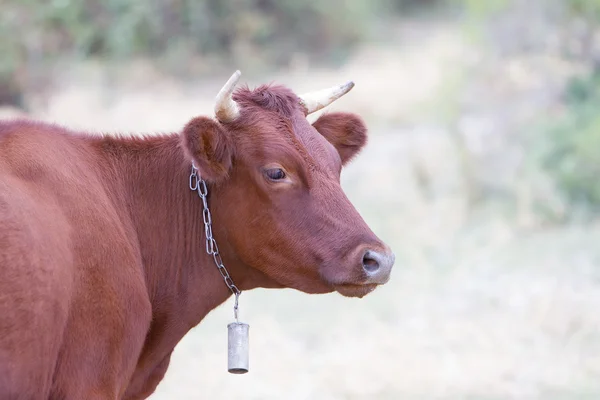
(345,131)
(209,145)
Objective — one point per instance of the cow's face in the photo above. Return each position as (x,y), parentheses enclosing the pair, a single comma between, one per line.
(276,191)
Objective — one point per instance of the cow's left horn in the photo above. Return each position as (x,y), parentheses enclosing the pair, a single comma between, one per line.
(314,101)
(226,109)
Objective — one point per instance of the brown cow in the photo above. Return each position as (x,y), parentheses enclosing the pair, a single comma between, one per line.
(103,260)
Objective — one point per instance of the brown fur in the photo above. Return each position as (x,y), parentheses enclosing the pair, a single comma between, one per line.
(103,267)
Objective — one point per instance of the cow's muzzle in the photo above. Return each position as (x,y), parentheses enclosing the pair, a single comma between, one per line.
(376,269)
(378,266)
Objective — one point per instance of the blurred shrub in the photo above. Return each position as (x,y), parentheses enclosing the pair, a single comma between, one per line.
(181,34)
(585,8)
(570,147)
(263,32)
(567,147)
(571,143)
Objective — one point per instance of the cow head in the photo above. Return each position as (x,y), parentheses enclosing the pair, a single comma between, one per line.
(275,189)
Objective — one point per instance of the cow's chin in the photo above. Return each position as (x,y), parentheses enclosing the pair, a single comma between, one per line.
(350,290)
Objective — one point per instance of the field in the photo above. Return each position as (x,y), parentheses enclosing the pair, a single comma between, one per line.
(484,302)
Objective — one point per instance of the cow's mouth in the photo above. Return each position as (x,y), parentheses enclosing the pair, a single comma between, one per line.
(352,290)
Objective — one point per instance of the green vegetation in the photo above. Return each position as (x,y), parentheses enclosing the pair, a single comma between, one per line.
(186,35)
(267,31)
(569,148)
(570,143)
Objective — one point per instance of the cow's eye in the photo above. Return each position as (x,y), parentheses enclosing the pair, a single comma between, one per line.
(275,174)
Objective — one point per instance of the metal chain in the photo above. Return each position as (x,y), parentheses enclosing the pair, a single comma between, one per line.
(199,185)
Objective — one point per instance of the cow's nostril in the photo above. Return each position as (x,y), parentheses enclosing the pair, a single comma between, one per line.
(370,262)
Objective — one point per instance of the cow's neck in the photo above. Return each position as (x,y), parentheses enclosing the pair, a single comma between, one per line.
(150,181)
(182,280)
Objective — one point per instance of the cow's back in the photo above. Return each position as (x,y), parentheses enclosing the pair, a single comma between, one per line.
(70,274)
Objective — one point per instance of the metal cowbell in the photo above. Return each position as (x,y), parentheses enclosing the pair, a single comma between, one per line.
(237,347)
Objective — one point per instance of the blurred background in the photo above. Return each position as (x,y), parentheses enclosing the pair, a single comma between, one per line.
(482,173)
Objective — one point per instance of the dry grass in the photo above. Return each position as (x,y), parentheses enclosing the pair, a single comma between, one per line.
(476,308)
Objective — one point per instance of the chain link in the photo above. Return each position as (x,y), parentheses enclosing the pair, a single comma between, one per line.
(199,185)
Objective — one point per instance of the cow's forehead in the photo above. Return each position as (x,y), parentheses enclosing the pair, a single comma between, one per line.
(276,109)
(323,154)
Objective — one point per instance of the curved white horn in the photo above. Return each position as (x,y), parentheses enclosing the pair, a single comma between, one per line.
(226,109)
(314,101)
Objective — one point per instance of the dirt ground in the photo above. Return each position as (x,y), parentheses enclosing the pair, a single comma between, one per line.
(477,308)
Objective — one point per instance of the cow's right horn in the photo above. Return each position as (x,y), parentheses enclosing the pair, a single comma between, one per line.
(226,108)
(314,101)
